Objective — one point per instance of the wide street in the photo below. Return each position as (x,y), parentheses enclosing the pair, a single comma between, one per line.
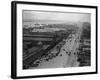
(66,56)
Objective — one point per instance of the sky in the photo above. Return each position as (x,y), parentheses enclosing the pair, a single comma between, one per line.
(44,16)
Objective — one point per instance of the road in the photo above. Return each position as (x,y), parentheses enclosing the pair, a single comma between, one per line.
(66,56)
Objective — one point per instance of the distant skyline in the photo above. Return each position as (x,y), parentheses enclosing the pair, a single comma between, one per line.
(54,17)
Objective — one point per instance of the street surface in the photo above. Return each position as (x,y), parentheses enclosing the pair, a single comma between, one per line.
(66,57)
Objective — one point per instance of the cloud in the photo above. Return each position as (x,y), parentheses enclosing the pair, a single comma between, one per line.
(56,16)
